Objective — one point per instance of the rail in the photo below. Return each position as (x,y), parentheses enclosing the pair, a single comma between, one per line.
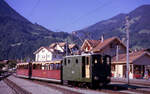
(15,87)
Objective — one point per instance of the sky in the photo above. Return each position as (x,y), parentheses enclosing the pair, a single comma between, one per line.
(72,15)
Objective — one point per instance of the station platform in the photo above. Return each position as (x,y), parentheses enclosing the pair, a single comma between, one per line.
(32,87)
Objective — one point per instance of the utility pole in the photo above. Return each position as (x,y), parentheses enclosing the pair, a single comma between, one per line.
(66,47)
(127,25)
(117,53)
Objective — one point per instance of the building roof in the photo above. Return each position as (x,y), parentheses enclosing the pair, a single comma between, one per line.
(3,61)
(52,45)
(52,49)
(105,43)
(132,57)
(72,46)
(93,43)
(49,49)
(62,44)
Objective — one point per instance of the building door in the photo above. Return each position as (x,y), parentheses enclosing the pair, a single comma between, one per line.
(87,68)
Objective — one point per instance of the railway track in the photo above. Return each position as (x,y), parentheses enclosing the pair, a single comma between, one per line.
(15,87)
(56,87)
(110,89)
(113,88)
(132,81)
(134,87)
(69,89)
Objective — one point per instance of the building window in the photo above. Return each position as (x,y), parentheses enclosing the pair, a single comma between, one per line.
(65,62)
(68,61)
(113,67)
(108,60)
(95,61)
(101,60)
(76,61)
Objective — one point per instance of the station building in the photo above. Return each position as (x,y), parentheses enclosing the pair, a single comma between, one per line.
(139,65)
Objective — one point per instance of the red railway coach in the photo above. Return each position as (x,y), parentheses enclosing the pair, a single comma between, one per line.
(22,70)
(50,71)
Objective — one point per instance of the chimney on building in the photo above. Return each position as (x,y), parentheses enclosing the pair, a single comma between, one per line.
(123,40)
(102,38)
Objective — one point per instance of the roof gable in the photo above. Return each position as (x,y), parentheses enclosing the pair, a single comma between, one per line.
(37,51)
(132,57)
(91,43)
(106,42)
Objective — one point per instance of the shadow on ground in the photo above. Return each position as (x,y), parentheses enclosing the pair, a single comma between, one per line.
(119,87)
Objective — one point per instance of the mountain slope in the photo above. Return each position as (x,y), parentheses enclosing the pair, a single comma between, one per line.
(139,28)
(19,38)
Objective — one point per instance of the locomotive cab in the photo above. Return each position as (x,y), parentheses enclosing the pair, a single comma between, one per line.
(101,70)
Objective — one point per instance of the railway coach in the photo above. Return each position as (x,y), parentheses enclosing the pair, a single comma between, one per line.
(49,71)
(91,70)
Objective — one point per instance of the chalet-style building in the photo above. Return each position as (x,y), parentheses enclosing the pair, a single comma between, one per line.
(47,54)
(55,51)
(139,65)
(61,46)
(110,46)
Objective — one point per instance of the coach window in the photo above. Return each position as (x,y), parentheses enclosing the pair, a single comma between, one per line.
(26,66)
(43,66)
(57,66)
(46,66)
(39,66)
(51,66)
(34,66)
